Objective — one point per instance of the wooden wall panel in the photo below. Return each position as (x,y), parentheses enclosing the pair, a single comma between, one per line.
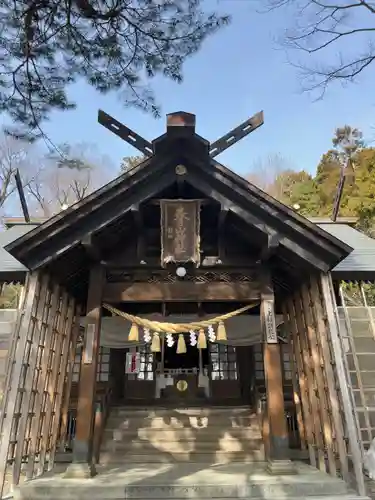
(31,406)
(314,338)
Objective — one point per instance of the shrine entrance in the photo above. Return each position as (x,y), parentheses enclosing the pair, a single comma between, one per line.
(184,375)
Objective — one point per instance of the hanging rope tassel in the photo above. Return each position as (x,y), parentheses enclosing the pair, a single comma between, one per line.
(202,341)
(221,332)
(181,345)
(155,344)
(133,333)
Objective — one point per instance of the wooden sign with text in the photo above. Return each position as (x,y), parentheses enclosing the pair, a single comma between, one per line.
(89,344)
(180,228)
(268,321)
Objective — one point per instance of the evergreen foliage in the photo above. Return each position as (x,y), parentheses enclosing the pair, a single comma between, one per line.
(315,194)
(117,45)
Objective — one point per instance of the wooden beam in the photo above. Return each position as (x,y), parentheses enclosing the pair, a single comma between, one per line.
(92,250)
(278,442)
(127,135)
(221,232)
(202,201)
(47,342)
(270,249)
(180,291)
(83,464)
(251,200)
(57,329)
(314,402)
(302,379)
(208,188)
(236,134)
(69,379)
(295,377)
(138,219)
(318,374)
(96,220)
(67,335)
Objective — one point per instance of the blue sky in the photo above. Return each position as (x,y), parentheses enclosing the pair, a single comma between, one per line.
(238,72)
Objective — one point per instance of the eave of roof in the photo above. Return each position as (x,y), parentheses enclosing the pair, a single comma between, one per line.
(114,199)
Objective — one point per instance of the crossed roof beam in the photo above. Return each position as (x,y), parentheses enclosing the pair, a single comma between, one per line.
(146,147)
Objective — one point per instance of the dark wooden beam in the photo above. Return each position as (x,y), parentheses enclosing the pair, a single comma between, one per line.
(125,133)
(209,189)
(245,206)
(83,451)
(140,236)
(236,134)
(221,232)
(202,201)
(270,249)
(91,250)
(96,220)
(180,292)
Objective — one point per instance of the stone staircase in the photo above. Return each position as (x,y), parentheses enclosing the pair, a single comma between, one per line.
(204,435)
(188,481)
(185,454)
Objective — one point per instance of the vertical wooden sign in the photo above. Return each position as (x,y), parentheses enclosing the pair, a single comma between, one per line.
(180,231)
(268,321)
(89,344)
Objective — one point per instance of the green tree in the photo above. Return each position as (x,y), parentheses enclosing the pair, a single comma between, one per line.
(347,140)
(117,45)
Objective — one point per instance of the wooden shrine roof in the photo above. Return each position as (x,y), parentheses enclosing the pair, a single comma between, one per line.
(58,241)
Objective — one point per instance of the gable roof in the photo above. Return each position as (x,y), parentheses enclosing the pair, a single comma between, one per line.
(299,238)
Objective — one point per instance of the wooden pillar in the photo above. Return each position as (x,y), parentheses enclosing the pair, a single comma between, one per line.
(302,378)
(295,380)
(69,380)
(83,460)
(278,433)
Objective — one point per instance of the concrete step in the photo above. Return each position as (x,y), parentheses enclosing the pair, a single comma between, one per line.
(163,445)
(189,481)
(162,457)
(159,422)
(184,434)
(193,411)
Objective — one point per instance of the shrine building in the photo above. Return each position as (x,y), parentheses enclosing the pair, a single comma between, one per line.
(180,314)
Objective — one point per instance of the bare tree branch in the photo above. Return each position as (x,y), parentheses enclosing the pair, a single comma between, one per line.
(14,155)
(321,27)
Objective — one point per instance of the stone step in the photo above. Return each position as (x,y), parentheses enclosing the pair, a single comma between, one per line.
(192,481)
(159,422)
(183,434)
(162,445)
(124,457)
(193,411)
